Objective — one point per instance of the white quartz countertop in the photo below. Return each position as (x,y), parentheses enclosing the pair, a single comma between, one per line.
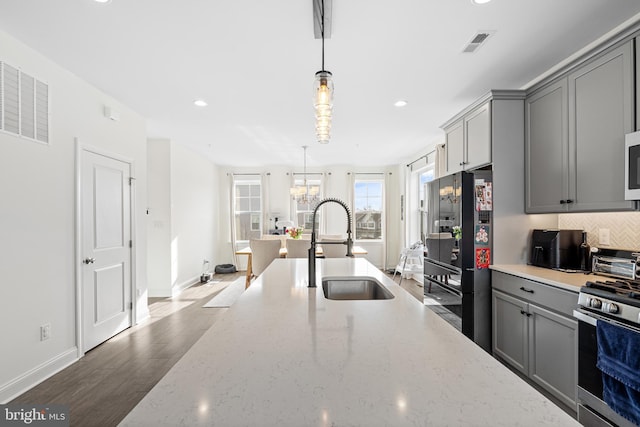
(283,355)
(559,279)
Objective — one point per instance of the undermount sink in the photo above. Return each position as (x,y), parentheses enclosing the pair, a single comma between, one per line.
(354,288)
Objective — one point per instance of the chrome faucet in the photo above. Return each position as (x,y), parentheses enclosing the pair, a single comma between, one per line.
(312,249)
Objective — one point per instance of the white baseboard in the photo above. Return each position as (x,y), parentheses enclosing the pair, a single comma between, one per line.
(35,376)
(177,290)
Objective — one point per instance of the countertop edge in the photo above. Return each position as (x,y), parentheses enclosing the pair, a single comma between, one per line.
(567,281)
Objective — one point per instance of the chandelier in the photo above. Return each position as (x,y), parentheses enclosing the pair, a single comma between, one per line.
(305,193)
(323,94)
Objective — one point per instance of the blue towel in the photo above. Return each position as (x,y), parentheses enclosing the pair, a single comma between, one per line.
(619,361)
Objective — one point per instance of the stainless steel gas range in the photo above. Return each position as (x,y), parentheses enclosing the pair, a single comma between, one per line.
(615,301)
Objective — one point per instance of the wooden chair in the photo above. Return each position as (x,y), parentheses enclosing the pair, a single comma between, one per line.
(263,251)
(298,248)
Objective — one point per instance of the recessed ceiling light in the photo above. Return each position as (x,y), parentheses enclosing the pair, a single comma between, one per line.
(400,103)
(102,1)
(480,1)
(200,103)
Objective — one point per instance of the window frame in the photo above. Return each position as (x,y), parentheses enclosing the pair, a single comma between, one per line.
(313,179)
(365,225)
(258,231)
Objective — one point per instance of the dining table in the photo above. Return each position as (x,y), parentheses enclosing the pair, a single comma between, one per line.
(357,250)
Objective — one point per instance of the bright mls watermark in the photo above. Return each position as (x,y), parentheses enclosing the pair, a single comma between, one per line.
(34,415)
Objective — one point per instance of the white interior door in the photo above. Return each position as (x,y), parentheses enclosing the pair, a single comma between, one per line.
(106,252)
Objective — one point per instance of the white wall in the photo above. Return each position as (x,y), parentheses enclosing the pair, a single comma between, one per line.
(159,218)
(193,197)
(37,219)
(183,217)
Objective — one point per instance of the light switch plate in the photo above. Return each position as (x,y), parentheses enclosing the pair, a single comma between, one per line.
(604,236)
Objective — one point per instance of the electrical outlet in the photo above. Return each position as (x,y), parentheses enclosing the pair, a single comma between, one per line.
(45,332)
(604,236)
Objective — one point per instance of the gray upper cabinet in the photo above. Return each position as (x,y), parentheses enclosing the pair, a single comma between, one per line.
(468,140)
(575,131)
(454,143)
(547,149)
(477,126)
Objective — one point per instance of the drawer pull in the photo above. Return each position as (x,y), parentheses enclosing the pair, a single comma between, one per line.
(525,313)
(522,288)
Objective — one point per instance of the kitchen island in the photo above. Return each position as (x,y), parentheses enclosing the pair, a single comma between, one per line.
(283,355)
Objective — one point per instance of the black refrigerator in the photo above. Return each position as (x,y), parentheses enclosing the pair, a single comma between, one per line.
(458,248)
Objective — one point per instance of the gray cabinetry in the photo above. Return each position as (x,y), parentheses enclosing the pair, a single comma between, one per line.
(477,128)
(454,144)
(533,331)
(468,140)
(575,137)
(547,148)
(510,331)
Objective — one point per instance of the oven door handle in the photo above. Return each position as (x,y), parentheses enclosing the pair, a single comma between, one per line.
(593,318)
(585,318)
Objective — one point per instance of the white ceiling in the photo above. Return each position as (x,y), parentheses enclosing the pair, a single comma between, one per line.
(254,62)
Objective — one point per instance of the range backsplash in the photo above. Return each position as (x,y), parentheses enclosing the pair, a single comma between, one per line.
(624,227)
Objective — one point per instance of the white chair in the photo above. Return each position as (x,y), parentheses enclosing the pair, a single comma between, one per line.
(411,262)
(280,237)
(333,250)
(298,248)
(440,248)
(263,252)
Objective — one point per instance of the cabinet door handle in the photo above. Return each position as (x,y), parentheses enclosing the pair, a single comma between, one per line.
(522,288)
(562,202)
(523,312)
(569,201)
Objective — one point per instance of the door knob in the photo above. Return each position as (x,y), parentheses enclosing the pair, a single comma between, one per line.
(89,260)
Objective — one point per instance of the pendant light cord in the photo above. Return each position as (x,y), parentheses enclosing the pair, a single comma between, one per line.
(322,32)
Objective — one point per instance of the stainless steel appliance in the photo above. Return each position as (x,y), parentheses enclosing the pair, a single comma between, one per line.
(460,206)
(615,301)
(632,166)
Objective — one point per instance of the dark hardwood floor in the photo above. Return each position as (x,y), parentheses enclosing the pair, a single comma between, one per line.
(102,387)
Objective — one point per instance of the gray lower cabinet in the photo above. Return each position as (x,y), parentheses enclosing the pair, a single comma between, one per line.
(575,129)
(538,341)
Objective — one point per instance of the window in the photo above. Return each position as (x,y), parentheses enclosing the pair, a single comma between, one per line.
(303,210)
(422,172)
(369,203)
(248,209)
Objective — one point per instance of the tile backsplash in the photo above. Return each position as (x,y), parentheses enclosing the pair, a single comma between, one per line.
(624,227)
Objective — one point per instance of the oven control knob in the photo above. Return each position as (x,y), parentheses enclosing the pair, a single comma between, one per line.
(610,308)
(594,303)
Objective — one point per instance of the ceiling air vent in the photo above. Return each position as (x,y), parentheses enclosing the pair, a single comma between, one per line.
(478,40)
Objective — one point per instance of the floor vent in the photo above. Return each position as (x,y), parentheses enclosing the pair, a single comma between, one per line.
(478,40)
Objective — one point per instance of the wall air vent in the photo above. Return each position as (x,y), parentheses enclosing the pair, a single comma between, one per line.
(24,104)
(479,39)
